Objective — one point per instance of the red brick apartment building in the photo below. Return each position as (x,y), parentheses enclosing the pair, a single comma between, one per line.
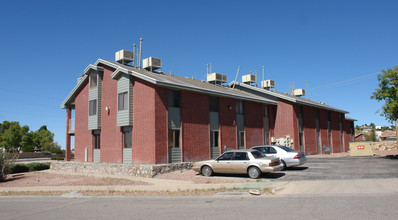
(123,114)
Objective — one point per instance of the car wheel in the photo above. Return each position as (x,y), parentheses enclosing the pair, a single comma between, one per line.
(284,165)
(254,172)
(206,171)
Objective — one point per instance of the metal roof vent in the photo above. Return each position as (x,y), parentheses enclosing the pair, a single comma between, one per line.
(299,92)
(249,79)
(216,78)
(267,84)
(151,63)
(124,56)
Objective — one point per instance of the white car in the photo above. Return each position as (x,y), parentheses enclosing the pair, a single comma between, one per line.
(288,156)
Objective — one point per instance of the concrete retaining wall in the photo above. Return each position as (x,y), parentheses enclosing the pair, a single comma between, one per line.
(141,170)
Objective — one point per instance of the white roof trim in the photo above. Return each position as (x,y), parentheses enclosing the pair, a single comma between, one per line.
(63,105)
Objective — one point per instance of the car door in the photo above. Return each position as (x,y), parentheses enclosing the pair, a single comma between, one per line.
(239,162)
(223,163)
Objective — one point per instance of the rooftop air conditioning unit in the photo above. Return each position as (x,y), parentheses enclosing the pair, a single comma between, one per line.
(216,78)
(124,56)
(266,84)
(249,79)
(152,63)
(299,92)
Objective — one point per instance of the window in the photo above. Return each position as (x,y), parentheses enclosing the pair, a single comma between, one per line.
(174,138)
(241,139)
(92,107)
(271,150)
(213,104)
(174,99)
(214,138)
(240,156)
(267,150)
(301,127)
(122,101)
(257,154)
(96,139)
(226,156)
(127,131)
(239,107)
(93,80)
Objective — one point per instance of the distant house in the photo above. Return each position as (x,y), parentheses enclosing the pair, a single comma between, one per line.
(366,128)
(359,137)
(388,135)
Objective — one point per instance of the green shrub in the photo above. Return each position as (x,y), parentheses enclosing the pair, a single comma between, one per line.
(18,168)
(57,158)
(21,168)
(38,166)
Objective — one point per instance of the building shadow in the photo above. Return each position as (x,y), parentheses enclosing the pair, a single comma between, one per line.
(391,157)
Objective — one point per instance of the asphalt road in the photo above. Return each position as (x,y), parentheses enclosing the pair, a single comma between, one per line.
(343,168)
(378,206)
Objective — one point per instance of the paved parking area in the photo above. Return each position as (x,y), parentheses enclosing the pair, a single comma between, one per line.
(342,168)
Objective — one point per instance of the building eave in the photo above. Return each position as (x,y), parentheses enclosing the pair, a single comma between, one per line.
(286,97)
(72,93)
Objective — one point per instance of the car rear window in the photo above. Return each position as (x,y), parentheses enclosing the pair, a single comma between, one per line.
(257,154)
(286,148)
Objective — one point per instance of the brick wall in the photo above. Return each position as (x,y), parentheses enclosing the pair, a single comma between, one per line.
(309,120)
(348,136)
(323,124)
(111,135)
(286,122)
(336,138)
(228,132)
(83,137)
(195,132)
(254,127)
(144,122)
(161,125)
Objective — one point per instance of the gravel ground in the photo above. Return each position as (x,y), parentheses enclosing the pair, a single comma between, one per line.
(48,179)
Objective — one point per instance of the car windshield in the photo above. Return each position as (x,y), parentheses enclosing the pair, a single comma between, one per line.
(257,154)
(286,149)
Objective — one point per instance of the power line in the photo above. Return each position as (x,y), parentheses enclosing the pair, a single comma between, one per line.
(348,81)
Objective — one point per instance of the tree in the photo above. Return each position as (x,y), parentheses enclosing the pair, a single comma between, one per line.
(12,135)
(43,139)
(388,92)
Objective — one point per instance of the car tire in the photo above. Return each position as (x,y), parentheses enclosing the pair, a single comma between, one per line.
(253,172)
(284,165)
(206,171)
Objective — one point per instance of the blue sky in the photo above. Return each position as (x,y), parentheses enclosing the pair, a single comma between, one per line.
(337,46)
